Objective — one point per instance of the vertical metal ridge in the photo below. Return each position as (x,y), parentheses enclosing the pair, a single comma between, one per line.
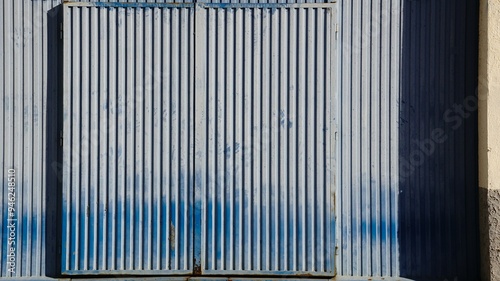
(18,108)
(130,138)
(239,142)
(27,128)
(396,23)
(3,165)
(6,116)
(94,151)
(209,254)
(166,114)
(38,172)
(365,184)
(175,132)
(321,130)
(39,191)
(292,135)
(331,109)
(283,112)
(246,146)
(189,246)
(75,141)
(257,141)
(85,132)
(121,140)
(148,136)
(112,141)
(375,135)
(301,181)
(182,143)
(139,136)
(230,130)
(273,140)
(309,112)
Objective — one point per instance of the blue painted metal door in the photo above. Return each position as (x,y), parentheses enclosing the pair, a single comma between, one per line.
(264,139)
(127,146)
(199,139)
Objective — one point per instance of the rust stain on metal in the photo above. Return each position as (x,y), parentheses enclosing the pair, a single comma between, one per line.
(171,236)
(333,203)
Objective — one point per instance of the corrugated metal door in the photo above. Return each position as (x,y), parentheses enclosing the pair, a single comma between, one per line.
(209,153)
(264,138)
(128,107)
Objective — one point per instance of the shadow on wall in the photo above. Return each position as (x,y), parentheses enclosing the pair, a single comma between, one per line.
(54,103)
(438,200)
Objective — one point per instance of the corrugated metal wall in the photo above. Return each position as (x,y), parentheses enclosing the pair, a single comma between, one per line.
(405,58)
(436,207)
(367,210)
(28,131)
(23,85)
(139,2)
(264,140)
(127,154)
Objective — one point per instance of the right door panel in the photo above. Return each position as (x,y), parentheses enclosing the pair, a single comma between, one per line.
(264,142)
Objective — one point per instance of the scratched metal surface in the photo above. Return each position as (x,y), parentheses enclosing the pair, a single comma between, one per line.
(127,156)
(264,139)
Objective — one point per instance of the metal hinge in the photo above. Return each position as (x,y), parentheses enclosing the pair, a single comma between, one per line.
(336,31)
(61,138)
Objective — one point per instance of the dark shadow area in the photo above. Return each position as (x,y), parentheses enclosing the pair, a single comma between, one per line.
(484,227)
(53,151)
(438,200)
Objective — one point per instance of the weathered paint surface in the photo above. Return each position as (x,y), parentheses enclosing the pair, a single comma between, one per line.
(106,189)
(24,88)
(127,152)
(368,60)
(264,138)
(368,185)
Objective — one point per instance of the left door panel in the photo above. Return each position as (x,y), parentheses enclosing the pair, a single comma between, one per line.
(127,139)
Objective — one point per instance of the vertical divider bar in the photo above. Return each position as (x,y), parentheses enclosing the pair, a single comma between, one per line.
(200,135)
(333,143)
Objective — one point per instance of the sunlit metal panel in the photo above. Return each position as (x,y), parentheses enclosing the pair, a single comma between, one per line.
(127,150)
